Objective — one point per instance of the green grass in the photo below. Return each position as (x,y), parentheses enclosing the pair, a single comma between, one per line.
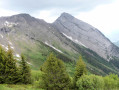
(17,87)
(35,74)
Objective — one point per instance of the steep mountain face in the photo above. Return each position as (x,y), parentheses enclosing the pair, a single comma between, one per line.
(116,43)
(86,35)
(67,37)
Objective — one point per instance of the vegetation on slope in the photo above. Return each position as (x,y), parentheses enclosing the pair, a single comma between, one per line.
(51,76)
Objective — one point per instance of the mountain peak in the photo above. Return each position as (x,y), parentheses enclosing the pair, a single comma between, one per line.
(24,15)
(66,16)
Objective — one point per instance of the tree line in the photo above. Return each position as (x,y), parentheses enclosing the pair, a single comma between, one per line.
(55,77)
(10,71)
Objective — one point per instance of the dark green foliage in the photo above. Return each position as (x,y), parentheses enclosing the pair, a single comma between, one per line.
(11,68)
(8,68)
(25,71)
(2,65)
(55,76)
(9,71)
(115,62)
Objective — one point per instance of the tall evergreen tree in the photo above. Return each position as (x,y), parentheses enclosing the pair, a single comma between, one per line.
(55,77)
(80,69)
(2,65)
(25,71)
(11,68)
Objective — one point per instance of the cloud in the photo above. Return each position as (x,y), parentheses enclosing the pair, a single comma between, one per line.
(4,12)
(29,6)
(52,14)
(46,15)
(105,18)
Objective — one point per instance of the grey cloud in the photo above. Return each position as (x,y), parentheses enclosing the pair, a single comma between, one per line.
(30,6)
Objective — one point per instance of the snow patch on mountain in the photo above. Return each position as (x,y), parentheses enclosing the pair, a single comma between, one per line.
(69,37)
(2,45)
(9,24)
(9,42)
(80,43)
(53,47)
(17,55)
(12,47)
(6,48)
(74,40)
(29,63)
(1,35)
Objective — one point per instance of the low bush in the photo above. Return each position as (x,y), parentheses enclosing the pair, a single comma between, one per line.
(90,82)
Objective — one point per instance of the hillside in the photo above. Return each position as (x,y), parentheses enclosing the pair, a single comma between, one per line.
(67,37)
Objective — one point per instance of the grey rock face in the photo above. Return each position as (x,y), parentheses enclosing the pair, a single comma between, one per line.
(86,35)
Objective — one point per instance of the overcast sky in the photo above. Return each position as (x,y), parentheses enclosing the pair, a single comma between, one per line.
(102,14)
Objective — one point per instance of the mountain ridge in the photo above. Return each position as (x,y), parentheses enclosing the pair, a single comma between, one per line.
(37,38)
(77,29)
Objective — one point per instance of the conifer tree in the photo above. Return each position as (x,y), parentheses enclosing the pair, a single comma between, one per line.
(25,71)
(55,77)
(80,69)
(11,68)
(2,65)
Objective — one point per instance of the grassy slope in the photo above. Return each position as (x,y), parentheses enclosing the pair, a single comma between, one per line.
(95,64)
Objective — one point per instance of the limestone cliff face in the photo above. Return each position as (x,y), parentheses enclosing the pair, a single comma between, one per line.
(86,35)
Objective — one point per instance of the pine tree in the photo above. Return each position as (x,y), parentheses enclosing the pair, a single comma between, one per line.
(11,68)
(25,71)
(2,65)
(55,77)
(80,69)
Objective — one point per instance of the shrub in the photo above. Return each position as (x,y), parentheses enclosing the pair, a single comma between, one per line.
(37,79)
(90,82)
(111,81)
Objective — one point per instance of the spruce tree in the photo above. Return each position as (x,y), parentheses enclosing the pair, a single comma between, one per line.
(25,71)
(11,68)
(55,77)
(2,65)
(80,69)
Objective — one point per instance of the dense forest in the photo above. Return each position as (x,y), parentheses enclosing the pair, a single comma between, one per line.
(52,75)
